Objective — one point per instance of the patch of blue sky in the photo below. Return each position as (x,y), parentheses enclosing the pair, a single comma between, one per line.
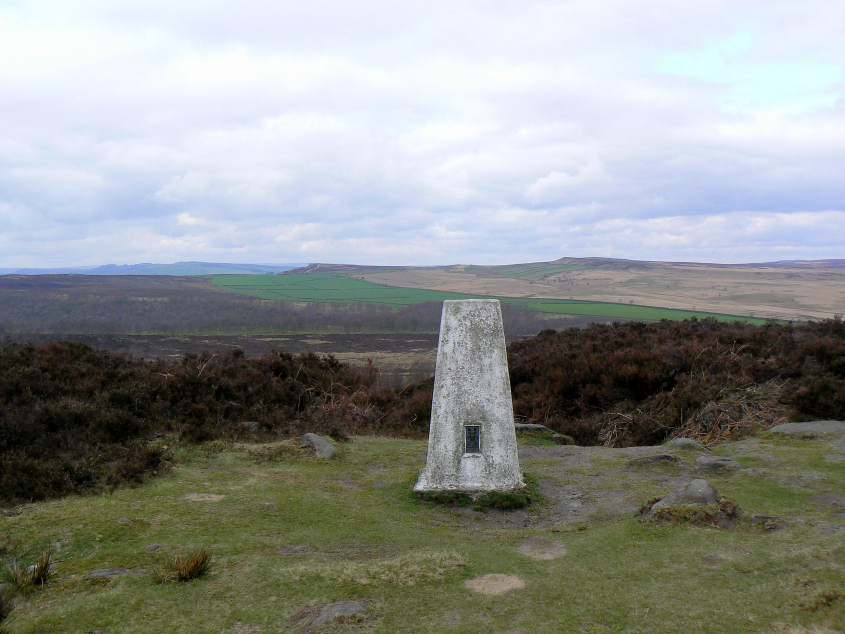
(797,84)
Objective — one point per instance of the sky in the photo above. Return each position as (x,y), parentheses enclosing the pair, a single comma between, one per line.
(420,132)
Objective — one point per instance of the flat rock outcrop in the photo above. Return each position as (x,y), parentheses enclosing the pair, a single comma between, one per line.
(342,608)
(703,464)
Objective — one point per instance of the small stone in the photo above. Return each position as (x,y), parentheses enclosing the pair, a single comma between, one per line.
(107,573)
(126,521)
(715,463)
(5,587)
(342,608)
(695,492)
(270,506)
(767,522)
(687,443)
(724,521)
(153,548)
(250,425)
(659,458)
(322,447)
(753,471)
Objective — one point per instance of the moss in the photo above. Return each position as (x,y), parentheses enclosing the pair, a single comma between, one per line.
(447,498)
(501,500)
(722,515)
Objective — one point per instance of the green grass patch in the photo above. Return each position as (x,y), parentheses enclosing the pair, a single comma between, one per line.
(295,534)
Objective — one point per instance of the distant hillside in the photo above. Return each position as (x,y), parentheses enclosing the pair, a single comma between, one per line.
(787,290)
(176,268)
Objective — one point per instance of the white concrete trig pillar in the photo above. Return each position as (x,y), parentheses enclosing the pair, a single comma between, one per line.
(471,442)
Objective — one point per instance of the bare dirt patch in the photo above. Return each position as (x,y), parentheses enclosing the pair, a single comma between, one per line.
(495,584)
(542,549)
(204,497)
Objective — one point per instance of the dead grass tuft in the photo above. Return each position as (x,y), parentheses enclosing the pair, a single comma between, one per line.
(27,577)
(737,413)
(194,565)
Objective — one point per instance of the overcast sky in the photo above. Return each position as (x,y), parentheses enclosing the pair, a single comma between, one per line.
(405,132)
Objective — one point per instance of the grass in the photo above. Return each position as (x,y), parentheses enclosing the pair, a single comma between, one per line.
(323,287)
(293,533)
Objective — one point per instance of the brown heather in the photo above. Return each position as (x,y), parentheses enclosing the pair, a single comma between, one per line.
(76,419)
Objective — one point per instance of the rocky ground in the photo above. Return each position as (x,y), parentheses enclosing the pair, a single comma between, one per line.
(585,485)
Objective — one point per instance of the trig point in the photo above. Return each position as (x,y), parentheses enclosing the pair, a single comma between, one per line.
(471,441)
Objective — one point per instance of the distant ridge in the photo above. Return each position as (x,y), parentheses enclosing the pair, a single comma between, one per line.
(228,268)
(592,262)
(176,268)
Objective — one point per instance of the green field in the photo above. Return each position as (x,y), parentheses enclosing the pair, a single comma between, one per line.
(322,287)
(623,311)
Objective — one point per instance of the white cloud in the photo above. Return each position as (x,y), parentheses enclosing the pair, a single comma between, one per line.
(181,188)
(420,132)
(554,186)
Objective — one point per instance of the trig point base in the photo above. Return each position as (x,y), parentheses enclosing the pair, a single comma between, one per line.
(471,441)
